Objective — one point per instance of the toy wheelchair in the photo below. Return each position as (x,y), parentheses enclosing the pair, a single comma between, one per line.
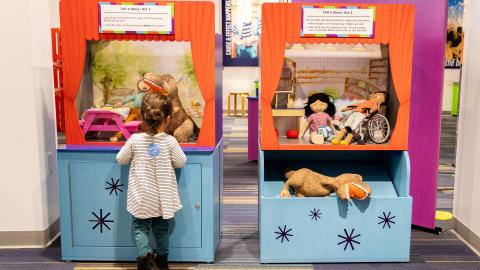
(375,127)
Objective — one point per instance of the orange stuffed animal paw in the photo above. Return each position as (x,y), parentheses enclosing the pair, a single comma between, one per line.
(351,190)
(285,194)
(359,191)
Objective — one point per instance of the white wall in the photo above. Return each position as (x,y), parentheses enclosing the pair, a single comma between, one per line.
(466,206)
(28,197)
(54,13)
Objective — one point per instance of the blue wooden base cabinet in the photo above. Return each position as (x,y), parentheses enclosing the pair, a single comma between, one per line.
(95,224)
(327,229)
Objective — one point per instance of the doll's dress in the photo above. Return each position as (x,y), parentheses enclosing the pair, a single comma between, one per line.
(327,132)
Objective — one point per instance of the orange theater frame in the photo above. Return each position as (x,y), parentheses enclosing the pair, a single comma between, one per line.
(194,22)
(394,25)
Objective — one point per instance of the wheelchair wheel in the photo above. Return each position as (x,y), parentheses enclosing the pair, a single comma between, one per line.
(378,128)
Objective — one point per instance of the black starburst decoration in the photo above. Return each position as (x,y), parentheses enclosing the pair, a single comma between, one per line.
(114,186)
(101,220)
(315,214)
(349,239)
(386,220)
(284,233)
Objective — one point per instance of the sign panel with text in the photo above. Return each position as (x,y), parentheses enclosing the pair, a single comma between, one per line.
(338,21)
(138,18)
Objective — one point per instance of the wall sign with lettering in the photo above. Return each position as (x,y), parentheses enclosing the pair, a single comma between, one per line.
(138,18)
(338,21)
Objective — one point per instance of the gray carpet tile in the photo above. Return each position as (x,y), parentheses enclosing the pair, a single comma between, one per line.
(448,139)
(445,200)
(454,265)
(374,266)
(37,255)
(446,180)
(34,258)
(239,248)
(37,266)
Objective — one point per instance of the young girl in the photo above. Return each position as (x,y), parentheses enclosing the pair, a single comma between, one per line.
(152,196)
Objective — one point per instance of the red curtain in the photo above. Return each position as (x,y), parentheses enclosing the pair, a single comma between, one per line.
(203,53)
(193,22)
(281,25)
(73,47)
(275,27)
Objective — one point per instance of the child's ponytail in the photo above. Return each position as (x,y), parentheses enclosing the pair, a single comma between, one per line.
(155,110)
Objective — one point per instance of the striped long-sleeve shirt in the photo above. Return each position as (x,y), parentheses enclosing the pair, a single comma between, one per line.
(152,184)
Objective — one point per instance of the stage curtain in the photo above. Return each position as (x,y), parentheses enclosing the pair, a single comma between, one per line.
(193,22)
(401,53)
(202,35)
(73,53)
(281,25)
(272,50)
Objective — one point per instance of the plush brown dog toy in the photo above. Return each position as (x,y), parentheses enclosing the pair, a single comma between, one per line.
(308,183)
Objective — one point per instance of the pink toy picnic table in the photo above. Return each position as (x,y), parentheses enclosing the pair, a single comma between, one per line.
(110,121)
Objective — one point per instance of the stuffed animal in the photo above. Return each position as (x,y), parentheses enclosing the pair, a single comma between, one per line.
(319,111)
(147,82)
(308,183)
(181,125)
(351,125)
(151,82)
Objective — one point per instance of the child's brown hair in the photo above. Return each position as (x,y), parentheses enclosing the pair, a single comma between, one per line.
(155,110)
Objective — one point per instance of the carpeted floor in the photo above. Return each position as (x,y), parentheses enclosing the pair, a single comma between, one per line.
(446,168)
(239,247)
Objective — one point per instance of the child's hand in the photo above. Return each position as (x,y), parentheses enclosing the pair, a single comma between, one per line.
(118,104)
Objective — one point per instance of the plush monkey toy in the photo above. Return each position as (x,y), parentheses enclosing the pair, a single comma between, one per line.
(181,125)
(151,82)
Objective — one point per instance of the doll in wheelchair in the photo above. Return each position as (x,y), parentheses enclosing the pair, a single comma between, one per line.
(364,122)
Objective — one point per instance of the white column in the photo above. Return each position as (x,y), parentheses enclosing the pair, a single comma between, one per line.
(466,204)
(28,197)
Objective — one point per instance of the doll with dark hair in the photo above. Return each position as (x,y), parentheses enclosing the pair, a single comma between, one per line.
(319,112)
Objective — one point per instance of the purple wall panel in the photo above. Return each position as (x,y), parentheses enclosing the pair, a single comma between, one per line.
(252,128)
(218,88)
(426,101)
(426,107)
